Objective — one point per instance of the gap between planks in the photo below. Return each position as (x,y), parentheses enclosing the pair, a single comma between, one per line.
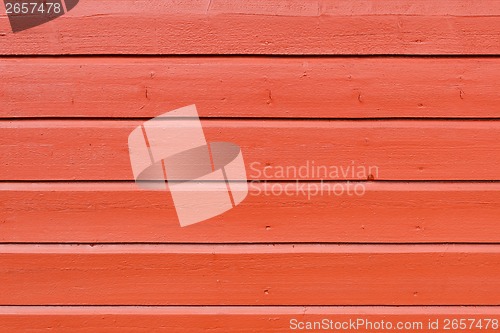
(245,248)
(257,309)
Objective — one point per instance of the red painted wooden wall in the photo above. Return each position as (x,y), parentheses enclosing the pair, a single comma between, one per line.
(411,87)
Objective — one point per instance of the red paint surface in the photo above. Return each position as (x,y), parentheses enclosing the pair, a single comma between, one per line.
(412,93)
(272,27)
(388,213)
(249,275)
(267,87)
(395,149)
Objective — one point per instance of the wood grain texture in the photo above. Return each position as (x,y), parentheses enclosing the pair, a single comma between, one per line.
(293,83)
(250,87)
(15,319)
(249,275)
(271,27)
(386,150)
(114,213)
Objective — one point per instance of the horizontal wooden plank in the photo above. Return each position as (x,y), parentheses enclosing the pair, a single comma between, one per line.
(277,149)
(251,87)
(238,319)
(393,212)
(256,27)
(249,275)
